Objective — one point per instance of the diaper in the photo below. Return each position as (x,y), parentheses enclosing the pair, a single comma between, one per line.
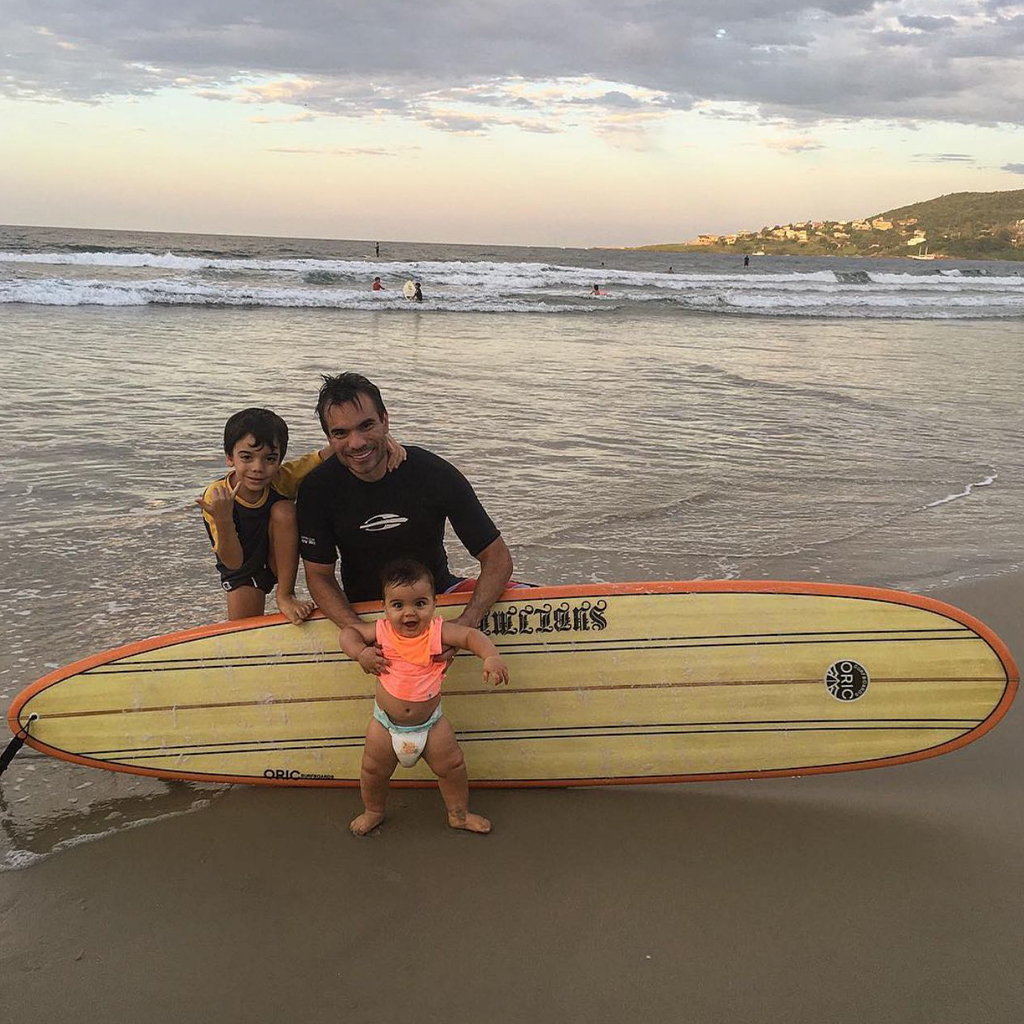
(408,740)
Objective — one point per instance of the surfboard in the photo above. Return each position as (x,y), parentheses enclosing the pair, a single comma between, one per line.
(409,289)
(614,683)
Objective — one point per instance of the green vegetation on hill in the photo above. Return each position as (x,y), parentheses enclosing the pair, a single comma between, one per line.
(968,225)
(971,225)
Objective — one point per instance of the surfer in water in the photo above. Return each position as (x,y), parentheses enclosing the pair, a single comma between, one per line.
(418,293)
(377,286)
(402,650)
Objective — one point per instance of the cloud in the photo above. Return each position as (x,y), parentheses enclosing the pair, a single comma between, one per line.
(925,22)
(478,124)
(944,158)
(1013,168)
(292,119)
(351,151)
(802,60)
(629,130)
(802,144)
(615,98)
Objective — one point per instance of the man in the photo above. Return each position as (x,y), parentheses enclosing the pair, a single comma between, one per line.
(353,506)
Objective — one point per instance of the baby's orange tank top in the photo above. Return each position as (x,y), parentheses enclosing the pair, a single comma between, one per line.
(413,674)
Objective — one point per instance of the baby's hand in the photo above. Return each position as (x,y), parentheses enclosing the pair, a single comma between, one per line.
(495,670)
(372,660)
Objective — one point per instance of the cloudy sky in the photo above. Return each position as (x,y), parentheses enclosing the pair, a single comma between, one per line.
(614,122)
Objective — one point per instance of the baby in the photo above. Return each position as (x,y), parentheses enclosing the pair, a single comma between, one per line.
(402,650)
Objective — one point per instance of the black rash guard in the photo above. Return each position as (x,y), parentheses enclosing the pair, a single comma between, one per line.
(402,515)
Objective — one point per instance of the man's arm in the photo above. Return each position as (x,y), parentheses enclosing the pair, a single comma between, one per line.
(326,591)
(495,572)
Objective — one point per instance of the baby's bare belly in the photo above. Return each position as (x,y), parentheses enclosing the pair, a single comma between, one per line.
(405,712)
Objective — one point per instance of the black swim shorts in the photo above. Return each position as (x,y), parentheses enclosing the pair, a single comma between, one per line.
(262,579)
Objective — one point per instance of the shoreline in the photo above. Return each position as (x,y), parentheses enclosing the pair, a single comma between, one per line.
(762,900)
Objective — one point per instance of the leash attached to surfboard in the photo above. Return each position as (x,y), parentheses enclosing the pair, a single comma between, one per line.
(17,742)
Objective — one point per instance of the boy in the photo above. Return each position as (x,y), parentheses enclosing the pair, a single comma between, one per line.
(250,517)
(407,720)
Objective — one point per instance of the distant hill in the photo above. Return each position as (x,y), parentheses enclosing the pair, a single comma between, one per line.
(969,225)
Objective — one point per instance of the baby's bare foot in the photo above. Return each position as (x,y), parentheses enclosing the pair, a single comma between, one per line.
(469,822)
(365,823)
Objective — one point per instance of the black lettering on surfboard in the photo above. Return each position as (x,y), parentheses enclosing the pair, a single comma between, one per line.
(522,620)
(283,774)
(847,680)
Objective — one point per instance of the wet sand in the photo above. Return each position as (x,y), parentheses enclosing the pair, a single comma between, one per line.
(885,895)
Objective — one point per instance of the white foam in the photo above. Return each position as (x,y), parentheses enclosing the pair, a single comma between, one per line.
(62,292)
(964,493)
(487,286)
(16,860)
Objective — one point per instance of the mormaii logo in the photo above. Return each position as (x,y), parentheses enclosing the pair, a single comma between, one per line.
(386,521)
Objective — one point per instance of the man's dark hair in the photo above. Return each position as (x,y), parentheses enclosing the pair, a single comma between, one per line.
(344,388)
(266,427)
(403,572)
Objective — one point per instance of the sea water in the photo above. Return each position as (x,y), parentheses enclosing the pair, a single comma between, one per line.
(828,420)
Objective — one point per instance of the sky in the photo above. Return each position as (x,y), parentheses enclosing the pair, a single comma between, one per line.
(618,122)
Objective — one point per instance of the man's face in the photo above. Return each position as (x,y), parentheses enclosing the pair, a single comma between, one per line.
(358,436)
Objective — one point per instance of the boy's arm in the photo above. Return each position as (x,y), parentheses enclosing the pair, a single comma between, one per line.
(284,543)
(454,634)
(358,641)
(396,453)
(294,471)
(218,505)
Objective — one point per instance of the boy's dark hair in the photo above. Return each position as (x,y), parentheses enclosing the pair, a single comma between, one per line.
(401,572)
(266,427)
(344,388)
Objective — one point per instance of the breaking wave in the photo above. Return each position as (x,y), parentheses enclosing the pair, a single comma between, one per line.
(107,278)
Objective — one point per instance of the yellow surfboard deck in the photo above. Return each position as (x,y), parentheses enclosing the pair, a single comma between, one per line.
(619,683)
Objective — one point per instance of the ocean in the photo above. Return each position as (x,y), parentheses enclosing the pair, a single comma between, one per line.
(817,419)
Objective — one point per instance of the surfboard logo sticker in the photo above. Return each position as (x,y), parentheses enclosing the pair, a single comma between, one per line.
(847,680)
(566,617)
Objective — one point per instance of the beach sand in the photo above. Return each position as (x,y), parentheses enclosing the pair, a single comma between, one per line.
(885,895)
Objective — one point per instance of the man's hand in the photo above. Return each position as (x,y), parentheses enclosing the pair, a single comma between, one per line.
(372,661)
(221,503)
